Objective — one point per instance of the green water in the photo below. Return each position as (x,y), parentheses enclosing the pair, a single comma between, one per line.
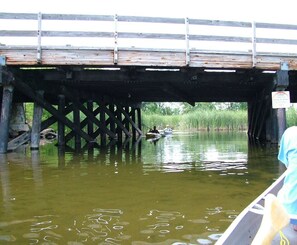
(183,189)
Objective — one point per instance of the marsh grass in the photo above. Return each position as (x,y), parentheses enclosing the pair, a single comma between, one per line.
(200,120)
(291,115)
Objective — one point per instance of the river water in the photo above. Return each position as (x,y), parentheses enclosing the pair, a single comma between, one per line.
(183,189)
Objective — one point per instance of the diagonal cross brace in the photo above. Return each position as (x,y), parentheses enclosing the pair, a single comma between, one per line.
(83,123)
(127,117)
(117,121)
(28,91)
(89,114)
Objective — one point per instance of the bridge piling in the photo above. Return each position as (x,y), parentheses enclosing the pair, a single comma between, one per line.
(36,123)
(5,116)
(76,120)
(264,122)
(103,121)
(111,108)
(282,82)
(118,128)
(61,126)
(90,106)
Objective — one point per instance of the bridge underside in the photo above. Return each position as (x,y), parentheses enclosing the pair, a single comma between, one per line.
(110,97)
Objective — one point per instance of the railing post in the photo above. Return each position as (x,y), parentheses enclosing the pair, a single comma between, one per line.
(254,44)
(39,38)
(187,42)
(115,52)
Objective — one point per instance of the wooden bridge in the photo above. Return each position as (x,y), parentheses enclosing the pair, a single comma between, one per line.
(104,66)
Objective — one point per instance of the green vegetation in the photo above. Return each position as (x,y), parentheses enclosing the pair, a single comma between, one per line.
(29,110)
(291,117)
(200,120)
(203,116)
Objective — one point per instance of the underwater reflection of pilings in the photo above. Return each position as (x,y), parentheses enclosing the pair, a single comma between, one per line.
(258,150)
(61,156)
(5,182)
(36,168)
(119,152)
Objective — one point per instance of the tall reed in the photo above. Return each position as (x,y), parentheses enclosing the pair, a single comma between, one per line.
(200,120)
(291,115)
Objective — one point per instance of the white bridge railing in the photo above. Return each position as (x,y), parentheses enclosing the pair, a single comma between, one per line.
(148,33)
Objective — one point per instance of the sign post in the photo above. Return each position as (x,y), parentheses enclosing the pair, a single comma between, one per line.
(281,101)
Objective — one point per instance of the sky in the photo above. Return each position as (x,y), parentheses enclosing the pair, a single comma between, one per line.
(241,10)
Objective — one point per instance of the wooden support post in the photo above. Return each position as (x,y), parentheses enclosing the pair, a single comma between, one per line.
(119,118)
(262,120)
(257,115)
(274,127)
(133,117)
(127,117)
(250,117)
(282,82)
(76,120)
(24,88)
(5,117)
(90,108)
(139,123)
(102,120)
(268,124)
(36,124)
(82,125)
(89,114)
(61,126)
(281,121)
(112,121)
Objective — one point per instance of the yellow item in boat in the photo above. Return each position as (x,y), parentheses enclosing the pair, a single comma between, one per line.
(275,218)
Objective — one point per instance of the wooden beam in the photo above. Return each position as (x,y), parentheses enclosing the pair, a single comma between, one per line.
(139,120)
(89,114)
(26,136)
(28,91)
(5,116)
(36,124)
(127,117)
(133,118)
(83,123)
(90,107)
(281,82)
(76,120)
(102,120)
(61,126)
(51,120)
(116,119)
(169,88)
(112,122)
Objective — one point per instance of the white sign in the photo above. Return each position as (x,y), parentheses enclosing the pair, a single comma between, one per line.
(280,99)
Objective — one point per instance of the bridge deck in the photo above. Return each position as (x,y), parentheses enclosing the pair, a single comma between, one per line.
(90,40)
(149,58)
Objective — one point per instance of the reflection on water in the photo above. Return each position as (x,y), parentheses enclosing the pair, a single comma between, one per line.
(185,189)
